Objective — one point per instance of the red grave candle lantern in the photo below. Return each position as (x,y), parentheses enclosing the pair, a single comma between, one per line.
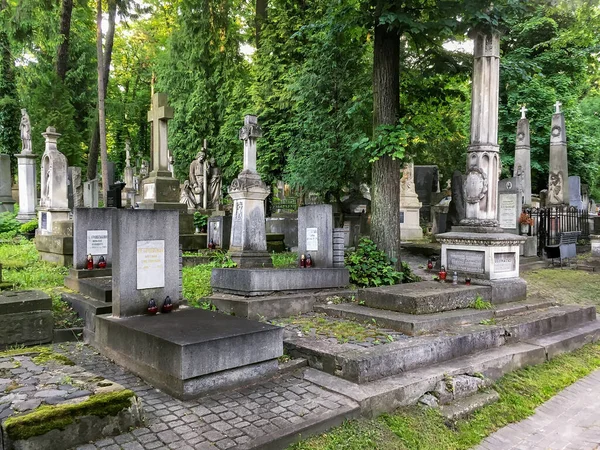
(90,262)
(442,274)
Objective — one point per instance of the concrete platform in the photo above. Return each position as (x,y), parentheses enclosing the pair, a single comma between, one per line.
(87,308)
(424,297)
(363,365)
(99,288)
(254,282)
(414,325)
(25,318)
(273,306)
(191,352)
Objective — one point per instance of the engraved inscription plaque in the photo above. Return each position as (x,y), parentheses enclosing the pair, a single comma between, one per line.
(150,264)
(470,261)
(508,210)
(504,262)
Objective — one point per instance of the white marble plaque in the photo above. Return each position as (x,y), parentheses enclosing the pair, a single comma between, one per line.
(504,262)
(97,242)
(236,227)
(149,191)
(469,261)
(312,240)
(508,210)
(595,247)
(150,264)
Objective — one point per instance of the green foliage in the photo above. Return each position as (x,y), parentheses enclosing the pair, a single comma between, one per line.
(408,276)
(200,220)
(64,315)
(287,260)
(390,140)
(480,303)
(8,222)
(28,227)
(371,267)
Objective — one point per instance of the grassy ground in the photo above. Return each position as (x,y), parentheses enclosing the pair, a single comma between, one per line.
(564,285)
(425,429)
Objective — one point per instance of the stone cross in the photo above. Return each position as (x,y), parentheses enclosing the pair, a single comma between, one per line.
(523,111)
(127,154)
(557,105)
(159,115)
(249,133)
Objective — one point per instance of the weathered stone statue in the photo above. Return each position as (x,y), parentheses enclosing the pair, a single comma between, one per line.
(187,195)
(196,176)
(215,183)
(25,126)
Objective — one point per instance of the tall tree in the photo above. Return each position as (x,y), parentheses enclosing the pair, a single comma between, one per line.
(9,104)
(101,97)
(65,31)
(95,142)
(259,18)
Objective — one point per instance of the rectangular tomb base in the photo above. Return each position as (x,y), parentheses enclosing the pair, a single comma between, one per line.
(25,318)
(191,352)
(253,282)
(507,290)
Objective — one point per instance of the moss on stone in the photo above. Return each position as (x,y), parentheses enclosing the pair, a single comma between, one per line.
(44,357)
(46,418)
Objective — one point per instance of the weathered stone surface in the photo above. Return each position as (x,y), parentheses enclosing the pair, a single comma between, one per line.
(522,167)
(12,302)
(7,203)
(98,288)
(129,296)
(286,225)
(252,282)
(182,351)
(429,400)
(424,297)
(558,178)
(88,223)
(27,187)
(466,406)
(27,328)
(315,234)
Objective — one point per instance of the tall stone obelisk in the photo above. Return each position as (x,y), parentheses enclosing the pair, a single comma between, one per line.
(558,179)
(522,167)
(478,248)
(483,154)
(248,247)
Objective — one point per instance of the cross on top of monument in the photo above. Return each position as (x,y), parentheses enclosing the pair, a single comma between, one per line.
(523,111)
(160,113)
(249,133)
(557,105)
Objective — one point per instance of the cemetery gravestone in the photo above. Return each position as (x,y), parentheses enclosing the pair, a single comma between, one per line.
(27,173)
(410,228)
(315,234)
(558,184)
(522,168)
(7,203)
(575,192)
(509,204)
(92,235)
(426,183)
(219,231)
(90,194)
(74,188)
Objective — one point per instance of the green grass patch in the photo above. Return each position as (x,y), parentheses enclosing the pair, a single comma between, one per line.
(564,285)
(480,303)
(421,428)
(42,355)
(196,283)
(46,417)
(286,260)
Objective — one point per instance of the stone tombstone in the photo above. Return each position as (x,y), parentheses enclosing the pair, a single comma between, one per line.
(54,173)
(114,196)
(426,183)
(159,189)
(74,187)
(7,203)
(340,237)
(510,204)
(595,244)
(575,192)
(522,167)
(456,208)
(315,234)
(145,260)
(219,230)
(410,228)
(558,185)
(92,234)
(90,194)
(27,173)
(110,168)
(248,244)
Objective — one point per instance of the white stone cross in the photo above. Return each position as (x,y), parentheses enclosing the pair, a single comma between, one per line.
(523,111)
(160,113)
(557,105)
(249,133)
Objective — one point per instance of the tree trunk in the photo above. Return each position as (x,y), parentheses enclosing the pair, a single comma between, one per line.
(385,190)
(63,48)
(93,151)
(101,96)
(260,17)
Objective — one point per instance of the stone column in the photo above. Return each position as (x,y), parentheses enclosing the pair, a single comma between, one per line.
(522,168)
(558,180)
(6,201)
(483,160)
(27,187)
(248,245)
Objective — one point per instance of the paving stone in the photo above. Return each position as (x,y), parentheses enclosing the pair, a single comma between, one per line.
(123,438)
(132,446)
(168,436)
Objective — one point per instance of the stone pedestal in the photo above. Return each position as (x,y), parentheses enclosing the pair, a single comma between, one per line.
(248,246)
(7,203)
(522,168)
(25,318)
(90,194)
(595,243)
(315,234)
(219,231)
(410,230)
(27,187)
(558,179)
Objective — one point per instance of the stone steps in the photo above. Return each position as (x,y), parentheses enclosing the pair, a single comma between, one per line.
(98,288)
(415,325)
(463,407)
(364,365)
(387,394)
(424,297)
(87,308)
